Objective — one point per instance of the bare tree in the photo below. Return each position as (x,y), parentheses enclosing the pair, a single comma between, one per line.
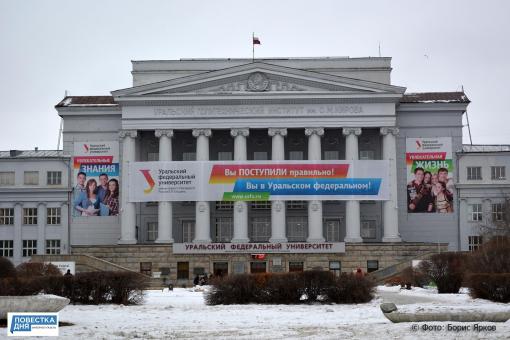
(496,223)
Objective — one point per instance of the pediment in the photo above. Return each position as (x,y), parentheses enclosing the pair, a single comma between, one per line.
(258,78)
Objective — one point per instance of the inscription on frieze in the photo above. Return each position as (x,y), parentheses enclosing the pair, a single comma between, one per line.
(268,110)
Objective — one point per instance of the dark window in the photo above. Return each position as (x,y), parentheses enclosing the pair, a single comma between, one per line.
(372,265)
(182,270)
(146,268)
(296,266)
(257,267)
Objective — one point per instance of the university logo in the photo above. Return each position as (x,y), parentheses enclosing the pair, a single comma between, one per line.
(86,147)
(418,144)
(32,324)
(150,181)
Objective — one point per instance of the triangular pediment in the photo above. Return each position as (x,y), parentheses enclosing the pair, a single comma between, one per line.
(258,78)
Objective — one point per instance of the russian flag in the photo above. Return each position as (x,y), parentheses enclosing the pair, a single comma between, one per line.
(256,41)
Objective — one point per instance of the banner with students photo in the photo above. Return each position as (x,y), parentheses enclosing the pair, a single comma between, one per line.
(430,167)
(95,178)
(258,180)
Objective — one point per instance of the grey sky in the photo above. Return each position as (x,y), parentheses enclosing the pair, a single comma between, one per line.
(86,47)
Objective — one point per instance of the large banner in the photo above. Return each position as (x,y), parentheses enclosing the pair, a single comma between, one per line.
(258,181)
(96,179)
(430,186)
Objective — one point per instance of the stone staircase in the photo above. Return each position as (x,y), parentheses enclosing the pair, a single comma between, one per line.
(381,275)
(87,263)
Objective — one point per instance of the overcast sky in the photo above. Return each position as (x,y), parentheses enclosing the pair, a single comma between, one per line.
(86,47)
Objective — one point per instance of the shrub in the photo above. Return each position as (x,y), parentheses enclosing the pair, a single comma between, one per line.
(31,269)
(493,286)
(6,268)
(446,270)
(414,277)
(288,288)
(491,257)
(127,287)
(351,288)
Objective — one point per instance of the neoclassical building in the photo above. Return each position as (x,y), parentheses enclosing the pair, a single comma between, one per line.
(301,110)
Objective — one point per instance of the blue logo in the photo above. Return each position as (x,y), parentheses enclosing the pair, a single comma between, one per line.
(33,324)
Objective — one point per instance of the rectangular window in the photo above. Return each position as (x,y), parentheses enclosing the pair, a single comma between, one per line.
(476,212)
(332,154)
(296,267)
(29,216)
(260,229)
(53,216)
(293,205)
(224,205)
(52,247)
(260,156)
(335,267)
(146,268)
(223,229)
(152,156)
(31,178)
(366,154)
(182,270)
(372,266)
(297,228)
(224,156)
(332,230)
(257,267)
(261,205)
(189,156)
(29,247)
(498,173)
(474,173)
(6,178)
(54,178)
(368,229)
(7,216)
(7,248)
(497,212)
(152,231)
(474,242)
(296,155)
(188,231)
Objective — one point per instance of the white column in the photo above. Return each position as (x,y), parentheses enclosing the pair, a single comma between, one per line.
(165,208)
(17,241)
(315,233)
(390,207)
(64,222)
(41,228)
(240,207)
(127,209)
(352,210)
(202,208)
(278,207)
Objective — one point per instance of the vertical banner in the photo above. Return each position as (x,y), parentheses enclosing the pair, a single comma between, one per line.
(258,181)
(430,187)
(96,179)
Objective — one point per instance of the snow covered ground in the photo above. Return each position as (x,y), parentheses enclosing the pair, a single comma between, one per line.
(182,314)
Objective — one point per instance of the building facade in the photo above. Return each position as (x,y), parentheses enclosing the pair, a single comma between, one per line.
(484,192)
(270,111)
(34,204)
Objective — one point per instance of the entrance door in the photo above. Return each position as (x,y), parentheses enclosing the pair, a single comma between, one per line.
(257,267)
(220,268)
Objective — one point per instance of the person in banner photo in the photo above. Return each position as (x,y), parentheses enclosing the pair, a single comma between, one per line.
(430,192)
(78,190)
(111,200)
(88,202)
(102,189)
(418,193)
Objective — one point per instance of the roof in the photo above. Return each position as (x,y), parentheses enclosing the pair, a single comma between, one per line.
(435,97)
(71,101)
(32,154)
(421,97)
(485,148)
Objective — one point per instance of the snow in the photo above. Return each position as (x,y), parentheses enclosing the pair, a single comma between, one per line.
(182,314)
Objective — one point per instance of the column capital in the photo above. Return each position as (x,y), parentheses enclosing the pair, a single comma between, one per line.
(277,131)
(351,131)
(314,131)
(161,133)
(41,203)
(202,132)
(18,203)
(387,130)
(128,133)
(245,132)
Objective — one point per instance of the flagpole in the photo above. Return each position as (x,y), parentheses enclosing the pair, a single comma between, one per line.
(252,47)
